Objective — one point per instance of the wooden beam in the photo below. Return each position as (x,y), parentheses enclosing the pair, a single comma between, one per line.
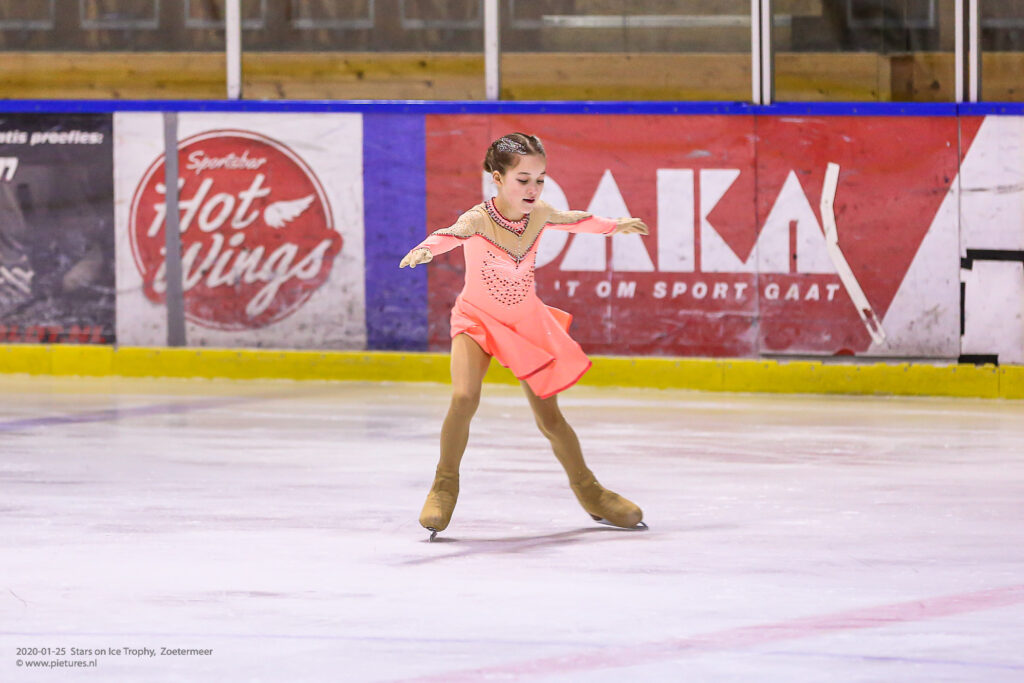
(525,76)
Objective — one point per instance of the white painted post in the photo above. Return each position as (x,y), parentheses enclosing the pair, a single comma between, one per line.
(233,47)
(755,51)
(492,50)
(958,51)
(973,50)
(767,66)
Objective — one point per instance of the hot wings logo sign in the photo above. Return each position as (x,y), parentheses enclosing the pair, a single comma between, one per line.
(257,232)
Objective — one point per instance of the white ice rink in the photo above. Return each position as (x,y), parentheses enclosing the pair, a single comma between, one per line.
(274,523)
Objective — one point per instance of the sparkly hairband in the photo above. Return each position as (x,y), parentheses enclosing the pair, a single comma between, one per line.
(510,146)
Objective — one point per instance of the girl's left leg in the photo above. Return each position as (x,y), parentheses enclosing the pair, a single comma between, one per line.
(598,501)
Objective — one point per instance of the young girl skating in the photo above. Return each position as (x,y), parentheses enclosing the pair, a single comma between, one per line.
(499,314)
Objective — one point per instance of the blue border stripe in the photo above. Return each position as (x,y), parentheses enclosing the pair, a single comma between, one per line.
(858,109)
(992,109)
(377,106)
(395,210)
(419,107)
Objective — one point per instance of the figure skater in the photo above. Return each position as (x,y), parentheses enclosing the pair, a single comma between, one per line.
(499,314)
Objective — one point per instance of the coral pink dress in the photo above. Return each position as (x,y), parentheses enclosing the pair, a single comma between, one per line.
(499,307)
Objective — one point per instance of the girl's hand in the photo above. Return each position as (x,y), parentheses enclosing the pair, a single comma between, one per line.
(416,257)
(627,226)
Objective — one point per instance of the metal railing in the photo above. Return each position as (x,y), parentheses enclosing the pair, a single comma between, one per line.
(487,16)
(761,20)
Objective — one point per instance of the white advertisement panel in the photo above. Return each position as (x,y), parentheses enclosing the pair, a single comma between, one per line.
(271,220)
(992,238)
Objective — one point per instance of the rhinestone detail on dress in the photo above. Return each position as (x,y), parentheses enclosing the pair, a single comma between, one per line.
(506,286)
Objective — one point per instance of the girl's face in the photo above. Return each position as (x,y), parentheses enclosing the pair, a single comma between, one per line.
(521,185)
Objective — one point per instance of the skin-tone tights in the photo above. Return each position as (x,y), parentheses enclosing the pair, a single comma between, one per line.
(469,364)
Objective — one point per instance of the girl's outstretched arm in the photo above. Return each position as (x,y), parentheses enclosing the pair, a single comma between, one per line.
(441,241)
(581,221)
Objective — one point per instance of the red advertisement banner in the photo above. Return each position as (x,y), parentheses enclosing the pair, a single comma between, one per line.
(741,260)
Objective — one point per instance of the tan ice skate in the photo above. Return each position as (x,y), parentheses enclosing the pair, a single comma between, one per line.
(437,510)
(606,506)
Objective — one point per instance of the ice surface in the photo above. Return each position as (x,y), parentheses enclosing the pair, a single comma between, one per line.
(792,538)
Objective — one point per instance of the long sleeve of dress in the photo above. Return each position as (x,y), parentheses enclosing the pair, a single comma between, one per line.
(580,221)
(439,244)
(446,239)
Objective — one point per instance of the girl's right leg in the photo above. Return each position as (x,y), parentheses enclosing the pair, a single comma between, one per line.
(469,364)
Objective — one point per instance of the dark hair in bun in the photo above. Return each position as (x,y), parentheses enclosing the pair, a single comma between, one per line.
(504,152)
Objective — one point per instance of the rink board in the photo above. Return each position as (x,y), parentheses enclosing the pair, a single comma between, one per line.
(294,226)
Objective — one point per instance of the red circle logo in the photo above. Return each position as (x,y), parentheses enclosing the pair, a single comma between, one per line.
(257,232)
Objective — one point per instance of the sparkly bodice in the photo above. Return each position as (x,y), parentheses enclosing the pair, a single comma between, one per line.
(495,280)
(501,257)
(514,238)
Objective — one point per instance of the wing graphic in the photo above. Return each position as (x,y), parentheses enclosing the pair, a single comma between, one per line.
(279,213)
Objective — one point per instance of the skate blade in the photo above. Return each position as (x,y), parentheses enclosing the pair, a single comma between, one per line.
(640,526)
